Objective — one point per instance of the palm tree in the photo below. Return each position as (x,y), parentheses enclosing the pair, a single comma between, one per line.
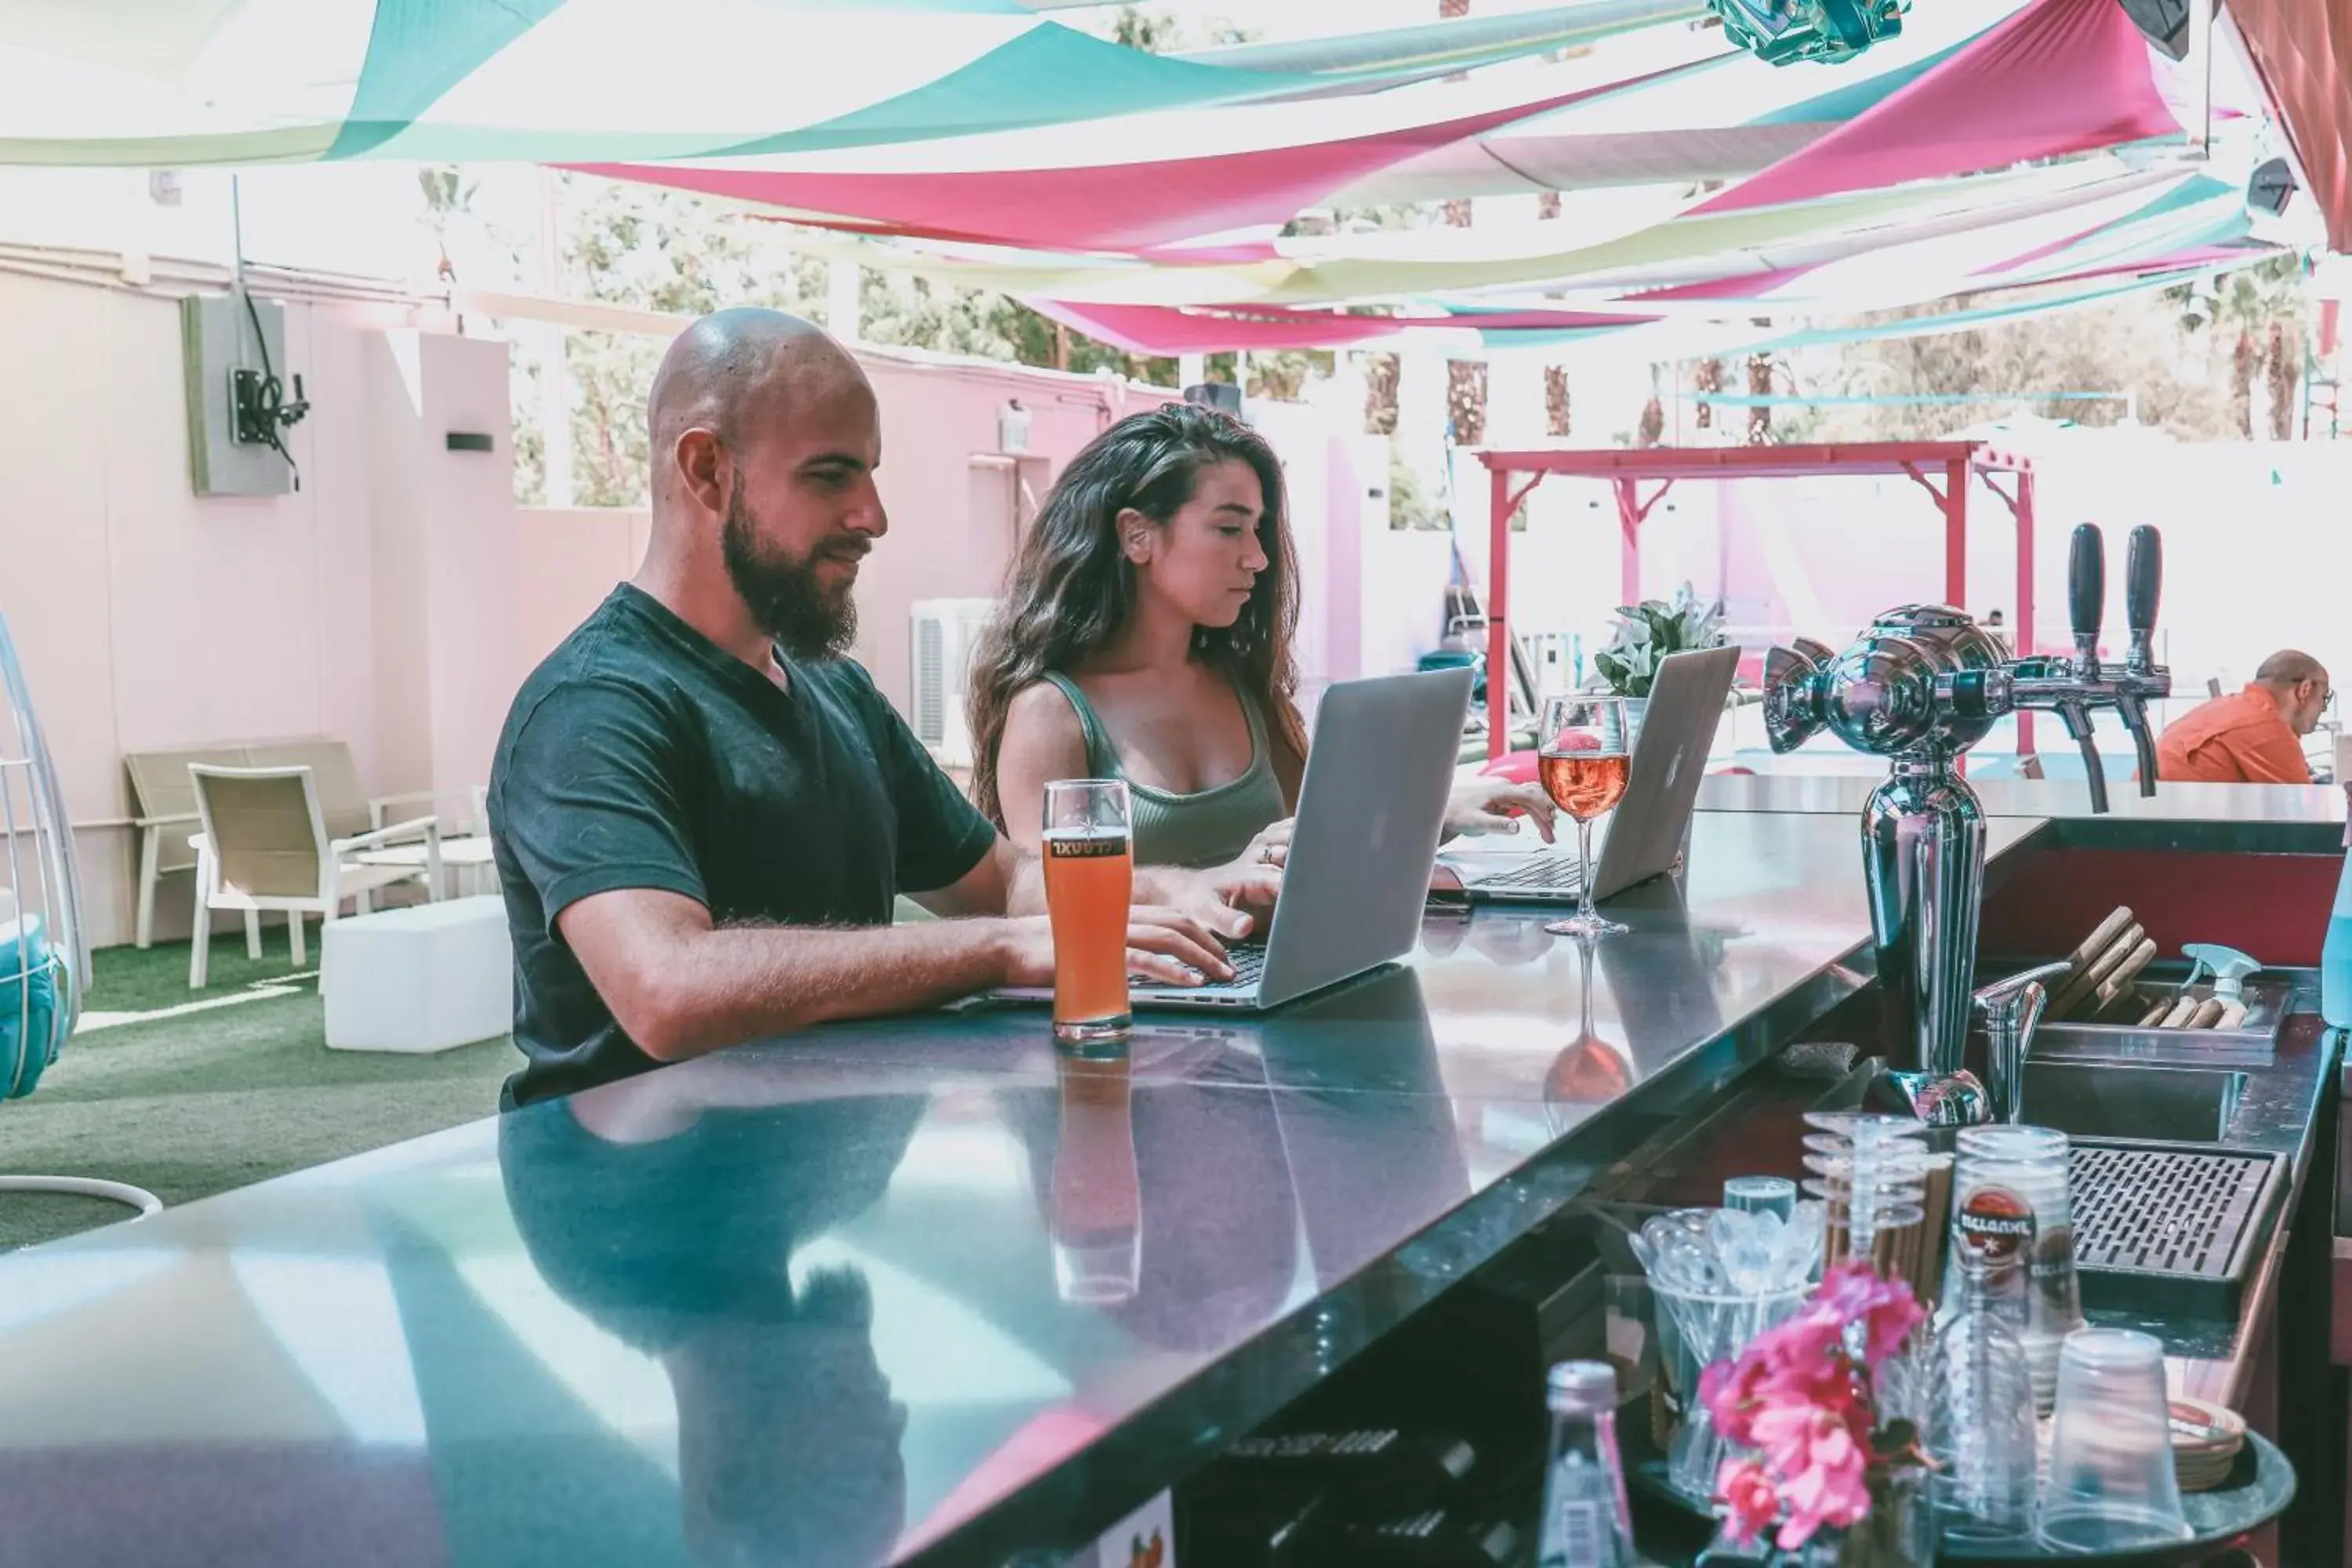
(2263,314)
(1706,378)
(1556,406)
(1381,394)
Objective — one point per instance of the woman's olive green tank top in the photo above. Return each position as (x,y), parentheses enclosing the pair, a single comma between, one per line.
(1195,830)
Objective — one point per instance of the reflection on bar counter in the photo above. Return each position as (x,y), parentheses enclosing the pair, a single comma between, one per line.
(1047,1289)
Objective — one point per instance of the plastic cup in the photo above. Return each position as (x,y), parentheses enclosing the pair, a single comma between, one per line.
(2111,1486)
(1760,1194)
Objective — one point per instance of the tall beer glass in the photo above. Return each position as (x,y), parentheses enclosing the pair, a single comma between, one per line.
(1090,881)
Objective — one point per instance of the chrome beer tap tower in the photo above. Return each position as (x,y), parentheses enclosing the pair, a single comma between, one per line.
(1920,686)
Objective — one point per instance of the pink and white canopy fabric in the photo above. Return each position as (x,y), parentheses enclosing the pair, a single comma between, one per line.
(1159,330)
(981,144)
(1081,203)
(1676,247)
(2060,77)
(1692,118)
(1906,177)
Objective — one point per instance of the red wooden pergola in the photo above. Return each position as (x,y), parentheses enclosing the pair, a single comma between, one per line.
(1641,477)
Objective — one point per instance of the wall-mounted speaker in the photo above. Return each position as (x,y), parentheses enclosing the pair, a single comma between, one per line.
(2271,187)
(2163,23)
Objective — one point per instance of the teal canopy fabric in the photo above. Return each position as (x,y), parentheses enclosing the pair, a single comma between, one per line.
(181,83)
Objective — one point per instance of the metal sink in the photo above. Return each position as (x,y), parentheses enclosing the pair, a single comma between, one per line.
(2102,1100)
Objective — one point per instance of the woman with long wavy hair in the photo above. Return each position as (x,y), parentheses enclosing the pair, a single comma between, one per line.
(1146,635)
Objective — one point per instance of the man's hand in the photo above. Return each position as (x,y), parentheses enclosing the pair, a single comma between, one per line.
(1220,898)
(1164,944)
(1487,805)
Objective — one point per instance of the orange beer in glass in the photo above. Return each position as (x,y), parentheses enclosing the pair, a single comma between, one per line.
(1090,882)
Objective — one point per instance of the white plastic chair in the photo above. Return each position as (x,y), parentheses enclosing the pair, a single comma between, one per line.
(265,848)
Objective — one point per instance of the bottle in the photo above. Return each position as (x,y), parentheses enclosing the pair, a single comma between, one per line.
(2335,957)
(1586,1522)
(1980,1424)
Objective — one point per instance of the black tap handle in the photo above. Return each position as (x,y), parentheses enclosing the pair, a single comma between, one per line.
(2086,583)
(2144,577)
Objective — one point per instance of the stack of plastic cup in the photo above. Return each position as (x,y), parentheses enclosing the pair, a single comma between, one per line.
(2112,1487)
(1981,1409)
(2012,1186)
(1871,1172)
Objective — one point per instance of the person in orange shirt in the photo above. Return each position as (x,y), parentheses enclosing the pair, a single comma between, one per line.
(2255,737)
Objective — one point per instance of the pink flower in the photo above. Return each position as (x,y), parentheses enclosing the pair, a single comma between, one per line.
(1750,1503)
(1819,1456)
(1795,1395)
(1885,1307)
(1800,1361)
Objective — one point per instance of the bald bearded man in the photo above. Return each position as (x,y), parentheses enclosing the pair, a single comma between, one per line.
(704,811)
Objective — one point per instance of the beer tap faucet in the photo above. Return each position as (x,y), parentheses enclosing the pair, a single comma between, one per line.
(2074,687)
(1922,685)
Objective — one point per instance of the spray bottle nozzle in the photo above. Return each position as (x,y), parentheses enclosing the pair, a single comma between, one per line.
(2227,965)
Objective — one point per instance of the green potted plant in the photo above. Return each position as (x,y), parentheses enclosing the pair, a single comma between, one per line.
(1647,631)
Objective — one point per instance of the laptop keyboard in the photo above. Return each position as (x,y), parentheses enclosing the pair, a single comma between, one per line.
(1543,873)
(1248,960)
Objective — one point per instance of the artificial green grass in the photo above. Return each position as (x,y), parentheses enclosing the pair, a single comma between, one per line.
(126,980)
(193,1105)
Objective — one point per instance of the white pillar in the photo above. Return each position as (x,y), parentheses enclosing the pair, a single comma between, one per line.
(444,579)
(841,300)
(1191,370)
(1515,399)
(1420,417)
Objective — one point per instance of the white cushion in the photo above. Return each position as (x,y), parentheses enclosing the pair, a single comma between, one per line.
(423,978)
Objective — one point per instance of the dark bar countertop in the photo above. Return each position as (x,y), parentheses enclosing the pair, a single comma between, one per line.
(798,1301)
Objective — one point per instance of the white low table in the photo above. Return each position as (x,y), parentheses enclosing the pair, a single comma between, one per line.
(424,978)
(460,860)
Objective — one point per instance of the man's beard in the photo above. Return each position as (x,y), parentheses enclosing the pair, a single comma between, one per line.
(785,598)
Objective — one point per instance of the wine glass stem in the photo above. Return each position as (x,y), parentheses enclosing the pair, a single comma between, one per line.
(1584,868)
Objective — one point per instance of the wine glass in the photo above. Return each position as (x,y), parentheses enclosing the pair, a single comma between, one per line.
(1584,753)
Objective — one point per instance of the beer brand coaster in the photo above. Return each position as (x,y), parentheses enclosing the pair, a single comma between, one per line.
(2200,1427)
(2206,1441)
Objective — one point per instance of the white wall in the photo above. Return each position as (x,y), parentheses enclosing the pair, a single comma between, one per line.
(448,659)
(566,561)
(145,616)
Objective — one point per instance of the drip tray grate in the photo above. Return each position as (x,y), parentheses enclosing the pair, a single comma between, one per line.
(2166,1228)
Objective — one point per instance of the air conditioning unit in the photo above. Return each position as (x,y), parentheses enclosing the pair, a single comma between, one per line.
(944,632)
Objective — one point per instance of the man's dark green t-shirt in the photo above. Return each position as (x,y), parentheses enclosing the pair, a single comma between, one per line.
(641,755)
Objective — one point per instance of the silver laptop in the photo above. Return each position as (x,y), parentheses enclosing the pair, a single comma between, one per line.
(1646,829)
(1371,811)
